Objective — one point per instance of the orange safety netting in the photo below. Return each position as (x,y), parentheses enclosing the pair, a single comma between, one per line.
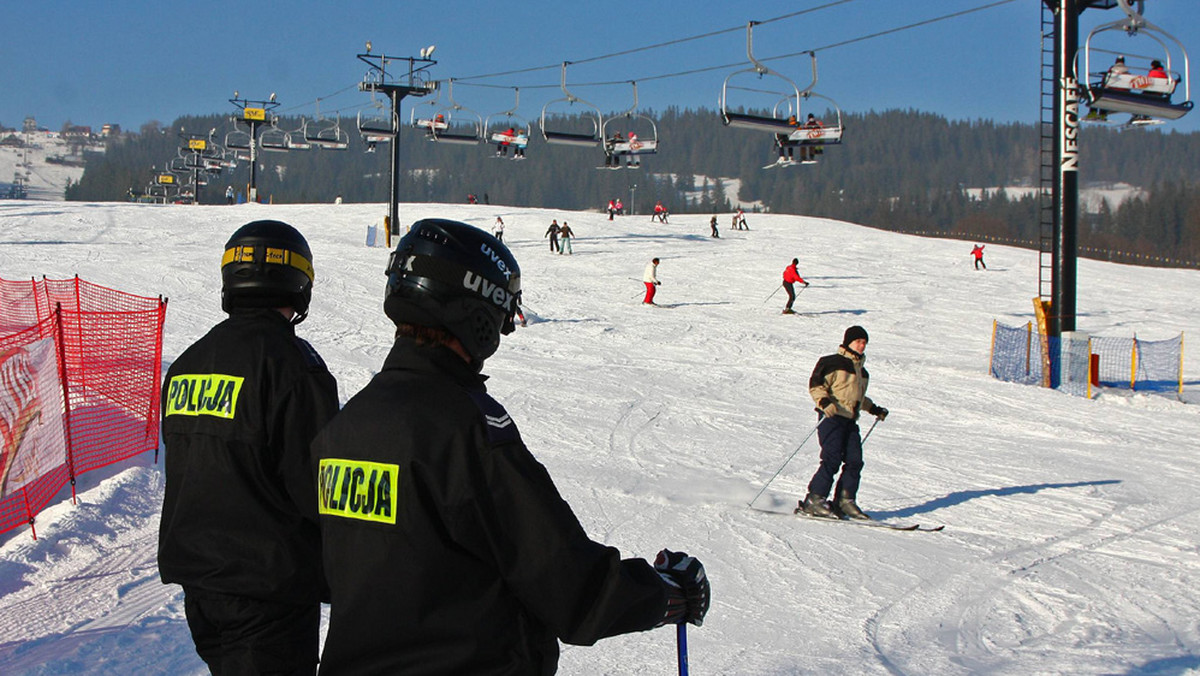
(80,372)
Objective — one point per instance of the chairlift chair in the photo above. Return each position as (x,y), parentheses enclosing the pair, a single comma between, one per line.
(747,120)
(274,139)
(462,133)
(378,124)
(1145,98)
(298,139)
(498,132)
(630,145)
(237,140)
(331,137)
(821,135)
(583,140)
(427,121)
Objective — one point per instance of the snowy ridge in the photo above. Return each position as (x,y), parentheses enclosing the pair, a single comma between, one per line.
(1071,524)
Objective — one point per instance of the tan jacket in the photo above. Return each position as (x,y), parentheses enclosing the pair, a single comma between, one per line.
(841,379)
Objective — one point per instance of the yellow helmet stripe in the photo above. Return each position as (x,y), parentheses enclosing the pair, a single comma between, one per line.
(274,256)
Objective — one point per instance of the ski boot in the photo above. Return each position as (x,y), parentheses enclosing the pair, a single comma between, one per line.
(788,311)
(815,505)
(847,508)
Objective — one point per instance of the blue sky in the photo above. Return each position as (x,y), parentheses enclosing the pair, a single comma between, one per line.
(130,61)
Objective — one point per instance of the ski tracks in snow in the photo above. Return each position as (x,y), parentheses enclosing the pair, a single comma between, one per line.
(107,564)
(997,613)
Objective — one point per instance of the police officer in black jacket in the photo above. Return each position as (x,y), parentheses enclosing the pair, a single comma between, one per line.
(240,409)
(447,547)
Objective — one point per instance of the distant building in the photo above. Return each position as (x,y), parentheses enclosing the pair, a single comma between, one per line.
(110,130)
(77,131)
(30,125)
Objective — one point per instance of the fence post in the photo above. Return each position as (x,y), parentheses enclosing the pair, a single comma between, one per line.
(1133,364)
(62,376)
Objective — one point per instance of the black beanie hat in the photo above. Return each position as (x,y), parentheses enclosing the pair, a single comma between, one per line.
(852,334)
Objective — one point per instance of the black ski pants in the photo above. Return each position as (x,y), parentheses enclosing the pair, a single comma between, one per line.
(841,448)
(240,636)
(791,292)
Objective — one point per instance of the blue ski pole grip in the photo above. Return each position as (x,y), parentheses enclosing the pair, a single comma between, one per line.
(681,645)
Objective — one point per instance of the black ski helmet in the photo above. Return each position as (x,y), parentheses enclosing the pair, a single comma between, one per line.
(457,277)
(267,264)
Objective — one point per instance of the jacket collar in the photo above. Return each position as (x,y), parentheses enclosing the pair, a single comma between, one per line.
(407,355)
(847,352)
(269,315)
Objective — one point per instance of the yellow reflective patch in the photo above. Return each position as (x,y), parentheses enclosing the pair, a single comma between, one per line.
(354,489)
(208,394)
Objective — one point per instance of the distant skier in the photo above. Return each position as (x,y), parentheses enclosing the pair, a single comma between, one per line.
(498,229)
(660,213)
(739,220)
(650,279)
(229,195)
(790,277)
(564,243)
(552,233)
(839,387)
(977,252)
(713,224)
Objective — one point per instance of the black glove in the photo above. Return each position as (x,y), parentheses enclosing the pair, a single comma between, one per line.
(827,407)
(879,412)
(687,587)
(658,284)
(806,285)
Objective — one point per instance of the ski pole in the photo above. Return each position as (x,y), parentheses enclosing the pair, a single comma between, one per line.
(785,463)
(681,647)
(864,439)
(772,294)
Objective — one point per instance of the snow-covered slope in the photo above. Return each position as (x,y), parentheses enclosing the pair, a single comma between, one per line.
(1071,525)
(43,180)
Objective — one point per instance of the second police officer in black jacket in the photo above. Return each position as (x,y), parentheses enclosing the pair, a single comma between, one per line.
(447,547)
(240,409)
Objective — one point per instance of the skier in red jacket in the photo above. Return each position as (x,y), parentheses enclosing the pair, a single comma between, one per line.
(790,277)
(977,252)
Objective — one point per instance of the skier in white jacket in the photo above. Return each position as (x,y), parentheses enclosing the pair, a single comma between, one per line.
(650,278)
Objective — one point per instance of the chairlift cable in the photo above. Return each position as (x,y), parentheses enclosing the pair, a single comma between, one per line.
(707,69)
(655,46)
(463,80)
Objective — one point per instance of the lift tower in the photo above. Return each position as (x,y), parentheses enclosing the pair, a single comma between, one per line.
(378,80)
(1060,167)
(254,115)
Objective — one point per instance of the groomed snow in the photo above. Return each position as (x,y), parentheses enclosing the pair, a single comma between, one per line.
(1071,539)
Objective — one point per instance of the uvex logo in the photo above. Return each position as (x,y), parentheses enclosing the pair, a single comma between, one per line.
(498,294)
(487,250)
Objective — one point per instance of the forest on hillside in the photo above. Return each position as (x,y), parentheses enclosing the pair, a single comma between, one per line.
(899,170)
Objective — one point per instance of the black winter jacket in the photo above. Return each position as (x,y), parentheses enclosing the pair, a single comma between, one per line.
(240,409)
(447,546)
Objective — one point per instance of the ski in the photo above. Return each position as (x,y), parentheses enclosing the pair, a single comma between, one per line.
(890,525)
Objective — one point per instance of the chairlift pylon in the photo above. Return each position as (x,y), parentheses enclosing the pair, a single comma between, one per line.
(593,139)
(1118,90)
